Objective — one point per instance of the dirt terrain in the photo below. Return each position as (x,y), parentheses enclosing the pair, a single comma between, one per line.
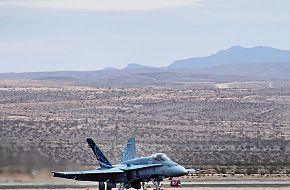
(44,123)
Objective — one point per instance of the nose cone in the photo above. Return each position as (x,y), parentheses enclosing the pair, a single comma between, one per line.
(182,171)
(176,171)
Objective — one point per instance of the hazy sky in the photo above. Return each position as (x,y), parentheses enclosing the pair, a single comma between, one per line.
(49,35)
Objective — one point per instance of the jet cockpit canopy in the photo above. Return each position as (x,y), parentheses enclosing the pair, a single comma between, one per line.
(160,157)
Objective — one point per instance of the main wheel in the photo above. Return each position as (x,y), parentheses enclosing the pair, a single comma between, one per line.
(102,186)
(111,185)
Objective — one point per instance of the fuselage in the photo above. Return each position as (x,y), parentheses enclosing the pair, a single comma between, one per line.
(164,168)
(131,172)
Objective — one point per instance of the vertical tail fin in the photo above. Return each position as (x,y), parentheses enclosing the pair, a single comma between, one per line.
(129,152)
(103,161)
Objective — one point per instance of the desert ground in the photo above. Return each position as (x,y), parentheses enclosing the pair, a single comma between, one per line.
(226,130)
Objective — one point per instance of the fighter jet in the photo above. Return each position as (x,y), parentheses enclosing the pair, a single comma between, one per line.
(131,172)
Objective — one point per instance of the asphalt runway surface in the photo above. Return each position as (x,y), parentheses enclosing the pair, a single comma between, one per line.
(194,185)
(193,188)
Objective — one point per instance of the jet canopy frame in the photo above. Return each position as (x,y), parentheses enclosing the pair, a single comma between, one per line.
(160,157)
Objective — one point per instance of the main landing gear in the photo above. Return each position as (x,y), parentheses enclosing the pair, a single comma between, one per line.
(106,185)
(123,186)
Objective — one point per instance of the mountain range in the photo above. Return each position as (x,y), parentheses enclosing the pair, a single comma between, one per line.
(236,55)
(234,64)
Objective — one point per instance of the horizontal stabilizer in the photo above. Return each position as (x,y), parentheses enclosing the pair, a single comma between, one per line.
(89,175)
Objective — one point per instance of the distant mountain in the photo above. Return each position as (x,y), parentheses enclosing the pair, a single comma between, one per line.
(235,55)
(110,69)
(262,71)
(136,66)
(231,65)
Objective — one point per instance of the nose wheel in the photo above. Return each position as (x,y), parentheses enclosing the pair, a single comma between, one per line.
(122,186)
(157,185)
(143,185)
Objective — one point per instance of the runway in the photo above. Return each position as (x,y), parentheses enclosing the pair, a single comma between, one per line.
(192,185)
(238,183)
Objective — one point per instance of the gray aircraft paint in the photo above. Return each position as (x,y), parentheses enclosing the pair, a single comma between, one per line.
(131,172)
(129,152)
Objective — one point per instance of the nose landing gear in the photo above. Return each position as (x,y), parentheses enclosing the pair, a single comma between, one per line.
(157,185)
(143,185)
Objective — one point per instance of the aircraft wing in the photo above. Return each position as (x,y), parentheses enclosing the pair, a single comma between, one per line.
(139,166)
(89,175)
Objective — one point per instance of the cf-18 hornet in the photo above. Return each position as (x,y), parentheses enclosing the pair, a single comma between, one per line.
(130,172)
